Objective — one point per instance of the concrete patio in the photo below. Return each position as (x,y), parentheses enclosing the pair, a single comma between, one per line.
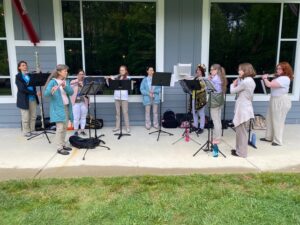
(141,154)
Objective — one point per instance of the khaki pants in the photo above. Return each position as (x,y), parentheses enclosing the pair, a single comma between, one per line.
(276,115)
(148,117)
(61,130)
(124,105)
(216,118)
(29,117)
(242,139)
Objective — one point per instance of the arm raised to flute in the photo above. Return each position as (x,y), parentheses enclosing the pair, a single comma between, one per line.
(268,83)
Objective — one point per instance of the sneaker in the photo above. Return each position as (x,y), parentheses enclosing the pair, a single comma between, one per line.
(27,134)
(233,152)
(148,128)
(156,127)
(67,148)
(83,133)
(200,131)
(76,133)
(116,129)
(264,139)
(275,144)
(128,130)
(62,151)
(193,129)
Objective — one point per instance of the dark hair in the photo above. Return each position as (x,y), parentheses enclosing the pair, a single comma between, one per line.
(80,70)
(19,64)
(148,67)
(201,69)
(287,70)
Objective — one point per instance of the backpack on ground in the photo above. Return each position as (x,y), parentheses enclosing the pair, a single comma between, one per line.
(169,119)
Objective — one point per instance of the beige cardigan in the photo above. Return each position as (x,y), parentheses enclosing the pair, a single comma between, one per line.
(243,106)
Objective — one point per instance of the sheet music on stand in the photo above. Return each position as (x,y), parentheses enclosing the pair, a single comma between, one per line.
(181,72)
(184,69)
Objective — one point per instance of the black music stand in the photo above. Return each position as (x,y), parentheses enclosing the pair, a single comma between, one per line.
(188,86)
(208,144)
(119,85)
(39,80)
(161,79)
(92,88)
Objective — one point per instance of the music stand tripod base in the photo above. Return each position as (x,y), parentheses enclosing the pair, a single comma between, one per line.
(92,88)
(39,80)
(121,135)
(159,132)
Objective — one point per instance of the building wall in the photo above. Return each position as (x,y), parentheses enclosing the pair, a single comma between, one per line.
(41,15)
(182,45)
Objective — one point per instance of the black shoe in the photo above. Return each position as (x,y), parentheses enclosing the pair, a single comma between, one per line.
(264,139)
(200,131)
(83,133)
(62,152)
(67,148)
(233,152)
(193,129)
(275,144)
(76,133)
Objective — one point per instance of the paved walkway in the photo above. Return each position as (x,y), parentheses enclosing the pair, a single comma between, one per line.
(141,154)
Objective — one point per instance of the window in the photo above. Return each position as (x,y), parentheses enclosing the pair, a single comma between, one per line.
(5,84)
(99,36)
(260,33)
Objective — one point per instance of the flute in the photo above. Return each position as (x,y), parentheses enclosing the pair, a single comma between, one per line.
(58,86)
(269,75)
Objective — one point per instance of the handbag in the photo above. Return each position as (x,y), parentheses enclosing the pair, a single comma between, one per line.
(216,100)
(259,122)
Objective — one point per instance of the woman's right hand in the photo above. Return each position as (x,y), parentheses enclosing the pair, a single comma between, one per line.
(235,82)
(54,88)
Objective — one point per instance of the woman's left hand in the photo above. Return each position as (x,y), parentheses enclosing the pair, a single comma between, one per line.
(265,76)
(63,84)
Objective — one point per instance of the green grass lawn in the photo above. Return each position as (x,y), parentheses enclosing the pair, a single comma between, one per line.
(213,199)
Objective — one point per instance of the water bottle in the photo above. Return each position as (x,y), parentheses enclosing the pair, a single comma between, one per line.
(187,135)
(215,149)
(253,139)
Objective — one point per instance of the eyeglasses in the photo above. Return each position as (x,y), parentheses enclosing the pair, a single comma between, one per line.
(278,68)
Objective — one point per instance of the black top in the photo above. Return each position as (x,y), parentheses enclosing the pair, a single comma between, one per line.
(23,93)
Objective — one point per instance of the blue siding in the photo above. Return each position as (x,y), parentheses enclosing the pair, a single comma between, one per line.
(182,45)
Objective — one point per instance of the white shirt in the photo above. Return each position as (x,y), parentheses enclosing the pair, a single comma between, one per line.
(121,95)
(63,93)
(284,83)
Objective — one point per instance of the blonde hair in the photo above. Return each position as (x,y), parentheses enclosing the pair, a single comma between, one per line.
(248,70)
(55,73)
(222,74)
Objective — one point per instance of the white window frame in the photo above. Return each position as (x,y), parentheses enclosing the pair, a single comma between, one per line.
(59,36)
(205,44)
(11,52)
